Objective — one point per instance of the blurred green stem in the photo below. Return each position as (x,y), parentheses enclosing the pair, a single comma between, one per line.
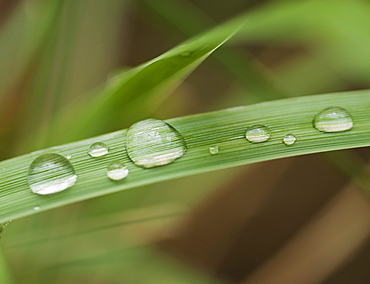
(261,85)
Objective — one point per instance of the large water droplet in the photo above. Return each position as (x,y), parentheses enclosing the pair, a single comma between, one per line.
(258,133)
(333,119)
(289,139)
(213,150)
(117,171)
(98,149)
(50,173)
(153,142)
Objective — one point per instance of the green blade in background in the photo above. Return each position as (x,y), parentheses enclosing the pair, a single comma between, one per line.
(21,37)
(158,268)
(127,93)
(177,15)
(68,65)
(225,128)
(336,31)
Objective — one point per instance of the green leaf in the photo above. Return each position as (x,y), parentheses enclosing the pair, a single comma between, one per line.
(334,30)
(178,15)
(224,128)
(129,92)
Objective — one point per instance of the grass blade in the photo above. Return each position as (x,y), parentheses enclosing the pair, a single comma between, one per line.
(238,65)
(225,128)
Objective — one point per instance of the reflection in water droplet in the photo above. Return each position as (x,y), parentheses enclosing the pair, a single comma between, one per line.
(213,150)
(289,139)
(258,133)
(68,157)
(36,208)
(153,142)
(98,149)
(333,119)
(50,173)
(117,171)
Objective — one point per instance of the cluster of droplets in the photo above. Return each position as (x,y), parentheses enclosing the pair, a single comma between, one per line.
(51,173)
(152,143)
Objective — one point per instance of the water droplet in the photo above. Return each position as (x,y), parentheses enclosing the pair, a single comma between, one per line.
(98,149)
(333,119)
(36,208)
(213,150)
(258,133)
(68,157)
(289,139)
(117,171)
(50,173)
(186,53)
(153,142)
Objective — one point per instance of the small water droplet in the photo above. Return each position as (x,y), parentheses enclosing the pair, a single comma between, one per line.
(50,173)
(68,157)
(98,149)
(333,119)
(153,142)
(289,139)
(117,171)
(186,53)
(258,133)
(36,208)
(213,150)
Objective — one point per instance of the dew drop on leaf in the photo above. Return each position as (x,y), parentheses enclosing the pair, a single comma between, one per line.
(213,150)
(98,149)
(50,173)
(333,119)
(153,142)
(289,139)
(117,171)
(186,53)
(258,133)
